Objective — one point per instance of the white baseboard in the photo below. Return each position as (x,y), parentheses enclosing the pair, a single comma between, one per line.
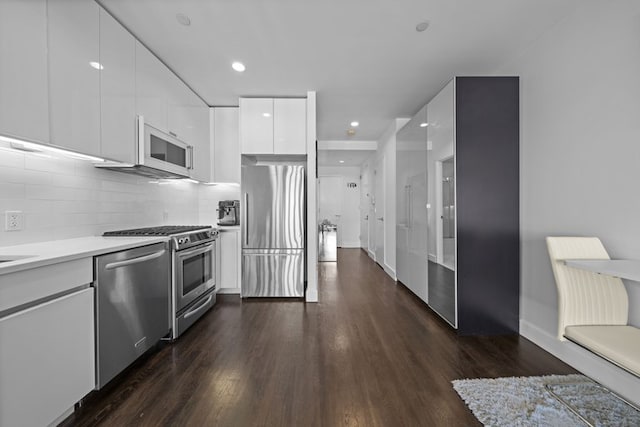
(432,258)
(311,295)
(229,291)
(390,272)
(372,255)
(350,245)
(584,361)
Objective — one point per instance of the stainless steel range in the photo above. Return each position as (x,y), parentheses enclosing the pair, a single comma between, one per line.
(193,285)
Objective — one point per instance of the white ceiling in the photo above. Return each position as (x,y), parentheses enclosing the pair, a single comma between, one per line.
(350,157)
(363,57)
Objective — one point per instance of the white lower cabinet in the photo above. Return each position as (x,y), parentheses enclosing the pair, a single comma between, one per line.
(47,359)
(229,262)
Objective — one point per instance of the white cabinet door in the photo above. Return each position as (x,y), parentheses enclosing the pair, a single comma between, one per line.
(24,107)
(189,122)
(256,125)
(117,90)
(226,145)
(229,260)
(47,359)
(153,82)
(289,126)
(74,75)
(201,143)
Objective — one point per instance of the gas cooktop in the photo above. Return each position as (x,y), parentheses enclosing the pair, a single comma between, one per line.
(164,230)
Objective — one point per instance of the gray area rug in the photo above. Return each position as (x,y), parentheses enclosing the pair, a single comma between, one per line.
(524,401)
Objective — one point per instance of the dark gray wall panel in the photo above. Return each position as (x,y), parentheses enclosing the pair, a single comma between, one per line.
(487,174)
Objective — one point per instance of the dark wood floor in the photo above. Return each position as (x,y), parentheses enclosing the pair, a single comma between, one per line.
(368,354)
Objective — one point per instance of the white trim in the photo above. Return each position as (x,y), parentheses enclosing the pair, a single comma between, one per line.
(585,361)
(350,245)
(390,271)
(311,295)
(371,254)
(232,291)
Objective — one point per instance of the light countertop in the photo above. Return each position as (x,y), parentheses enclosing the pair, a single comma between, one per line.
(222,228)
(52,252)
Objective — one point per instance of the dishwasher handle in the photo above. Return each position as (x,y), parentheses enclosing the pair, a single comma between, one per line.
(132,261)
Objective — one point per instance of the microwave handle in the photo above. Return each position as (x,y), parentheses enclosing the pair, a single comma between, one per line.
(190,150)
(140,140)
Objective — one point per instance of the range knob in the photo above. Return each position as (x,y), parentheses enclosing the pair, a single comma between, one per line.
(180,241)
(187,239)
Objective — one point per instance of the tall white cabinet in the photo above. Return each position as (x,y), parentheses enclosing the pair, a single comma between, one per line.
(24,110)
(74,74)
(411,205)
(226,145)
(117,90)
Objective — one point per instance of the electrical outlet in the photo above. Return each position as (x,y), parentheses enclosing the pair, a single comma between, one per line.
(13,220)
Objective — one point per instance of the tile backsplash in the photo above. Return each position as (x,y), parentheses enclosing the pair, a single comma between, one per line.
(64,198)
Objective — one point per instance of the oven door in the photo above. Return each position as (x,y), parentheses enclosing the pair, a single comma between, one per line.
(195,273)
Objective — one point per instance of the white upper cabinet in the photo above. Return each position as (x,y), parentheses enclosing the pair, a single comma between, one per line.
(226,144)
(74,75)
(290,126)
(117,90)
(153,82)
(273,126)
(188,120)
(256,125)
(24,110)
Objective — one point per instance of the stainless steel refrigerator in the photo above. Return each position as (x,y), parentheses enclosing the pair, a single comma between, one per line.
(273,231)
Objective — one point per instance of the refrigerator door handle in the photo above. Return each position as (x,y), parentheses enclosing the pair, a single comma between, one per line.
(246,219)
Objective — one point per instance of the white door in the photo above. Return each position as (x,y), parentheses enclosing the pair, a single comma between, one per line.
(379,210)
(365,196)
(330,201)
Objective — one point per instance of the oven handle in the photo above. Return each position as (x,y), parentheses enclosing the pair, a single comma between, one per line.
(200,307)
(132,261)
(195,251)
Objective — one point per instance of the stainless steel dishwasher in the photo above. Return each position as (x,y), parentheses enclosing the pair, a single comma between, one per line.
(132,306)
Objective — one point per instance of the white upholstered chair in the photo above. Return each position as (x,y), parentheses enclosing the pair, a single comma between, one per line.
(593,308)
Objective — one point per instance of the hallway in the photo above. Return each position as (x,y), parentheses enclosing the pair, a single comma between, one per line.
(368,354)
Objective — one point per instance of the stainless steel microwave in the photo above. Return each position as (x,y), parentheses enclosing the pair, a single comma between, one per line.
(163,151)
(158,155)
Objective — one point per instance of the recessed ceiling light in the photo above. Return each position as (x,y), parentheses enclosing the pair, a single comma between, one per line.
(341,161)
(351,132)
(422,26)
(355,124)
(424,124)
(266,114)
(238,66)
(183,19)
(96,65)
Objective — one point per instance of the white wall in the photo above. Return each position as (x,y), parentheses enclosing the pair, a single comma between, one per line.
(386,149)
(349,230)
(580,154)
(66,198)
